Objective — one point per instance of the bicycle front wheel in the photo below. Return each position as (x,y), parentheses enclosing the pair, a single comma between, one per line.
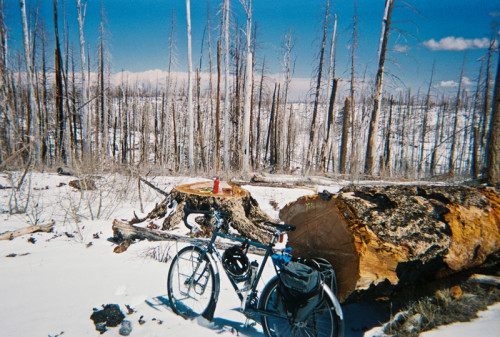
(191,283)
(323,321)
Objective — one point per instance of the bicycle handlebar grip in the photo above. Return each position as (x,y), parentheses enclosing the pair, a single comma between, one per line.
(281,226)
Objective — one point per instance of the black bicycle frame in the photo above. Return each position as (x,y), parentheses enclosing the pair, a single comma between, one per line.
(211,248)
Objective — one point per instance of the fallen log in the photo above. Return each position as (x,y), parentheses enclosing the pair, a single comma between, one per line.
(298,181)
(10,235)
(396,235)
(124,232)
(245,215)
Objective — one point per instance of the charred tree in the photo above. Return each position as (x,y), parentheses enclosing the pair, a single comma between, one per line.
(424,123)
(372,131)
(451,164)
(493,148)
(217,112)
(248,89)
(312,132)
(346,115)
(61,153)
(385,160)
(329,125)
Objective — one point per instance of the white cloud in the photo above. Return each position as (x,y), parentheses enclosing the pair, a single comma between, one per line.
(452,84)
(456,43)
(467,81)
(448,84)
(401,48)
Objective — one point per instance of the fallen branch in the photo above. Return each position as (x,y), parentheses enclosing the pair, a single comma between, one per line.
(128,233)
(154,187)
(27,230)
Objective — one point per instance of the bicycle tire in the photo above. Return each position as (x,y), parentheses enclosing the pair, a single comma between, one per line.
(323,322)
(191,296)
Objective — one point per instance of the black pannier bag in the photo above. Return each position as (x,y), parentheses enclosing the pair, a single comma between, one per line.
(299,291)
(326,270)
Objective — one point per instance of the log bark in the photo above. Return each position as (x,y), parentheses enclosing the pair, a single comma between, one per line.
(396,235)
(127,233)
(27,230)
(246,216)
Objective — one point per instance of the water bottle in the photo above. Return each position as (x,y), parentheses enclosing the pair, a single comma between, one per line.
(249,282)
(216,185)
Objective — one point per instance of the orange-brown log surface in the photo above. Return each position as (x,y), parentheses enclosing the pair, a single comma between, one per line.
(399,234)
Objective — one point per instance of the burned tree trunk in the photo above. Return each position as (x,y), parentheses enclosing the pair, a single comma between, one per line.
(372,131)
(245,215)
(396,235)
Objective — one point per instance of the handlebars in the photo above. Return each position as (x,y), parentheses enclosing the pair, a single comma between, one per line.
(212,211)
(281,226)
(218,214)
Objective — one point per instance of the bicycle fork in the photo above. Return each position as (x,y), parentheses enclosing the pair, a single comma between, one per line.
(195,279)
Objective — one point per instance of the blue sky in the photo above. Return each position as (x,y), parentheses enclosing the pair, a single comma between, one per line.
(138,30)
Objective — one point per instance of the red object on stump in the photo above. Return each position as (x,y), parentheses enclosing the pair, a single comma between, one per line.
(216,185)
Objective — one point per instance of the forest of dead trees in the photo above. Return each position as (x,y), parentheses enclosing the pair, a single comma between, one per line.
(60,107)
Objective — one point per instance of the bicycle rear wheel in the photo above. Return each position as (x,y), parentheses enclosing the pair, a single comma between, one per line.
(191,283)
(323,322)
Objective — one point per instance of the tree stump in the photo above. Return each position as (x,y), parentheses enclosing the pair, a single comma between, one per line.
(401,235)
(245,215)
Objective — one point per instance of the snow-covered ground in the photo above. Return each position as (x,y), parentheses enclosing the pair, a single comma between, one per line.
(51,286)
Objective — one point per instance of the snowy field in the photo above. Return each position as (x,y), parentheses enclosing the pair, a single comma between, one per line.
(52,281)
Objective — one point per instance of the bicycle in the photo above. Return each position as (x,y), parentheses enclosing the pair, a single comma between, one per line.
(194,284)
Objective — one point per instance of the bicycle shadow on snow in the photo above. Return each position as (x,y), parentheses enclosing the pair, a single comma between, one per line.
(219,324)
(223,324)
(161,301)
(359,317)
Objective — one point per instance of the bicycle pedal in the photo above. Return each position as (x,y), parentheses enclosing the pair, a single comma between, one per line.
(250,313)
(249,323)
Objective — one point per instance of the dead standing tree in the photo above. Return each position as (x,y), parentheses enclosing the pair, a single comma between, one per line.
(60,149)
(350,118)
(82,8)
(346,115)
(493,149)
(226,85)
(379,80)
(424,122)
(332,83)
(312,133)
(248,89)
(288,68)
(32,116)
(451,164)
(190,152)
